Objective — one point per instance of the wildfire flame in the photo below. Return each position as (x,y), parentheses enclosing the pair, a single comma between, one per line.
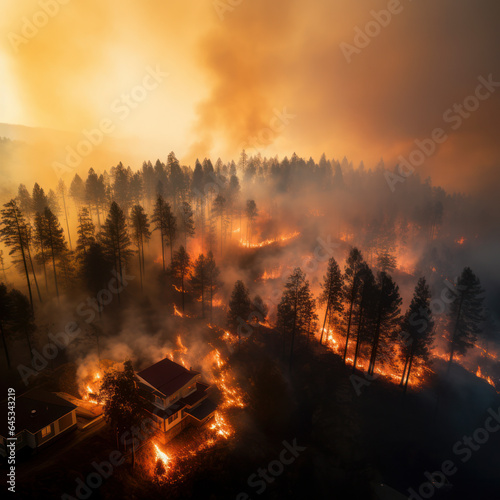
(177,312)
(163,457)
(484,377)
(92,389)
(220,426)
(272,275)
(279,239)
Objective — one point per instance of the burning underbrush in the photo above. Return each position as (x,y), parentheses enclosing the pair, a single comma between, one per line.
(271,241)
(90,375)
(392,368)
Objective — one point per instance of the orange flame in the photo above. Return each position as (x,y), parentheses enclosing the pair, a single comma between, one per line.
(279,239)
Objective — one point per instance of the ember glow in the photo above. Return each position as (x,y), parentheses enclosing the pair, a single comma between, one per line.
(163,457)
(91,390)
(280,239)
(484,377)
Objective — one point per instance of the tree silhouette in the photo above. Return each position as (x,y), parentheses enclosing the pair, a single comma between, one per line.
(85,231)
(212,274)
(218,210)
(159,224)
(367,309)
(417,331)
(240,308)
(140,233)
(466,314)
(181,267)
(53,240)
(186,219)
(15,235)
(115,239)
(77,191)
(388,318)
(198,281)
(351,289)
(251,213)
(62,190)
(296,310)
(39,199)
(123,405)
(39,240)
(331,294)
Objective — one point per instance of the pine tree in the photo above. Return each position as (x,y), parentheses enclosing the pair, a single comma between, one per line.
(331,294)
(181,267)
(159,224)
(388,318)
(39,199)
(259,310)
(240,308)
(77,191)
(123,406)
(198,281)
(85,231)
(165,222)
(218,210)
(39,240)
(115,239)
(94,192)
(212,274)
(53,240)
(140,233)
(15,235)
(186,220)
(170,229)
(417,331)
(96,268)
(367,309)
(251,213)
(466,314)
(61,189)
(24,201)
(353,265)
(296,310)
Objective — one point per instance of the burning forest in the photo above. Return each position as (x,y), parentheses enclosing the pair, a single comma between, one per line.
(213,286)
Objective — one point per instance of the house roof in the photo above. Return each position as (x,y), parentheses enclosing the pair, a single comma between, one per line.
(196,396)
(35,410)
(167,377)
(202,411)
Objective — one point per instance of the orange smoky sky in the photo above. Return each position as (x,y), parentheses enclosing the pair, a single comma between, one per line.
(274,77)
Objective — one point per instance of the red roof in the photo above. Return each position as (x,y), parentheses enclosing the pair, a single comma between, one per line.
(167,377)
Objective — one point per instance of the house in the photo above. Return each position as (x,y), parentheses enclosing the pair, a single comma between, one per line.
(40,418)
(175,397)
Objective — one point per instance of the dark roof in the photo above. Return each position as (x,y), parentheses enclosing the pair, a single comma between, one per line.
(196,396)
(203,410)
(48,408)
(167,412)
(166,376)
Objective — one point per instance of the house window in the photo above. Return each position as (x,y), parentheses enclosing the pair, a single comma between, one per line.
(46,431)
(173,417)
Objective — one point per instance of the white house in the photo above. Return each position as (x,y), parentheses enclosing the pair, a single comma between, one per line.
(175,397)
